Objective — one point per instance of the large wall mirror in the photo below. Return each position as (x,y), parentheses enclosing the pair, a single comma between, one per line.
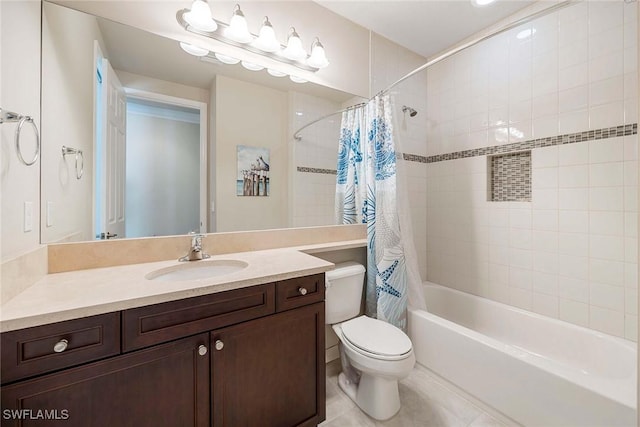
(141,139)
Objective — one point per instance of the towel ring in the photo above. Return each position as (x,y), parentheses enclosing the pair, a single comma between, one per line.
(79,174)
(22,121)
(78,153)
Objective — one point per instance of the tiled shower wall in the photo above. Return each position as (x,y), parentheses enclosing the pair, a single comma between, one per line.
(314,160)
(570,252)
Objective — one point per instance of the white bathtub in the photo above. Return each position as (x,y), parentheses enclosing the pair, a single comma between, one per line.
(536,370)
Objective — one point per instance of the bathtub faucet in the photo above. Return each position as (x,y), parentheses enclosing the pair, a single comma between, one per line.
(195,252)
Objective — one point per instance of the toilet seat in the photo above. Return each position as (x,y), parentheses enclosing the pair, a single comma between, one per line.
(376,339)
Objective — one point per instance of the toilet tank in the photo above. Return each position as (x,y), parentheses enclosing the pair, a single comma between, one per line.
(343,292)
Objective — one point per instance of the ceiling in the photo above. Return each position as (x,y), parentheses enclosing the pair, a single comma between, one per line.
(424,26)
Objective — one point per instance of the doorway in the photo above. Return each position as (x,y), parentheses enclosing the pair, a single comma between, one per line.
(165,179)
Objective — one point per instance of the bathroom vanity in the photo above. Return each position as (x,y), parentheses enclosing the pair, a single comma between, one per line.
(251,356)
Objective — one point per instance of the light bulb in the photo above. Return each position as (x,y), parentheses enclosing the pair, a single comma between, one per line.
(481,2)
(267,41)
(237,29)
(199,17)
(297,79)
(225,59)
(318,58)
(276,73)
(294,49)
(251,66)
(193,50)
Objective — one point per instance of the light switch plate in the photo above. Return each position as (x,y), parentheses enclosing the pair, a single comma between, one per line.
(49,214)
(28,216)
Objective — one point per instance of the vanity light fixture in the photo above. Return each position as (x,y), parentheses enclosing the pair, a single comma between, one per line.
(294,50)
(226,59)
(238,31)
(481,2)
(193,50)
(199,16)
(318,58)
(297,79)
(198,20)
(251,66)
(267,40)
(276,73)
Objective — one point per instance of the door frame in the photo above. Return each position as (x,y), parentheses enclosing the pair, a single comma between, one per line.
(97,56)
(197,105)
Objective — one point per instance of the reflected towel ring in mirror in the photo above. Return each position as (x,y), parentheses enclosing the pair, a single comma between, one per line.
(8,116)
(78,153)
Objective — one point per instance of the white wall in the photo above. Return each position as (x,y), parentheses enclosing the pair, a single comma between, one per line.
(256,116)
(20,93)
(570,253)
(68,119)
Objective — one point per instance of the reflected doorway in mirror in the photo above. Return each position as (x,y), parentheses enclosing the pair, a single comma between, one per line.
(253,171)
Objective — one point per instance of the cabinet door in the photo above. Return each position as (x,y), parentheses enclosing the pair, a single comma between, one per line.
(166,385)
(270,371)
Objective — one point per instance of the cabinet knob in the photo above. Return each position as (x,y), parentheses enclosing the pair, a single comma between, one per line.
(202,350)
(219,345)
(61,346)
(302,291)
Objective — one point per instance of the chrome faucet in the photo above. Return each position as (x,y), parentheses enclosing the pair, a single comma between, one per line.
(195,252)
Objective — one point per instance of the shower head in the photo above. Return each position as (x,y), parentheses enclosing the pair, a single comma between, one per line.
(411,111)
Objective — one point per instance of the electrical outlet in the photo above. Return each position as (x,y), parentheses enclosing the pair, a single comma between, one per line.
(28,216)
(49,214)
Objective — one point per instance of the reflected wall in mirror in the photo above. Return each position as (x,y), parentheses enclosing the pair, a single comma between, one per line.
(158,131)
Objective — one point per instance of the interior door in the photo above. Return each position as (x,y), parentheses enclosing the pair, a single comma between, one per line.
(112,155)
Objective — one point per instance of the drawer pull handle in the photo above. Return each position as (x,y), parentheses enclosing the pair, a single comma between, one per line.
(219,345)
(61,346)
(302,291)
(202,350)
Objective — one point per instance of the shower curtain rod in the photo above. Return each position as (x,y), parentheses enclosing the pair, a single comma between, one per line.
(298,137)
(447,54)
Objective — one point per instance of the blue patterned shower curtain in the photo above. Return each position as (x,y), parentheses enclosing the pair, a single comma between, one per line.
(366,192)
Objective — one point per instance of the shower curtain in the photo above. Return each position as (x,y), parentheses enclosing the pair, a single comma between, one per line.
(366,191)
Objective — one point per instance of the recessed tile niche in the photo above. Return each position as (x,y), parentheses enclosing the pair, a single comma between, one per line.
(510,177)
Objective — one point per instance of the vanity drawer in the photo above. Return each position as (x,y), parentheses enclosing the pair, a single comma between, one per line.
(300,291)
(33,351)
(149,325)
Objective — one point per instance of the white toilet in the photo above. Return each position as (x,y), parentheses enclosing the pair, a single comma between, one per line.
(380,353)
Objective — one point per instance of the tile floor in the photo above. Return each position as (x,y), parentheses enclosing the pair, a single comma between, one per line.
(426,402)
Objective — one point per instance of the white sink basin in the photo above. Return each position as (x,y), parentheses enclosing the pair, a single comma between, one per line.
(195,270)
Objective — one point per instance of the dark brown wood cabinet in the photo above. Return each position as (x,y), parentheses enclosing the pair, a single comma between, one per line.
(246,357)
(270,371)
(165,385)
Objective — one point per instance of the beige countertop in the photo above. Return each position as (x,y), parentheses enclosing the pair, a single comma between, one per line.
(75,294)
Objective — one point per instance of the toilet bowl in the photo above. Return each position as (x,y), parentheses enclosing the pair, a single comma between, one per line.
(380,353)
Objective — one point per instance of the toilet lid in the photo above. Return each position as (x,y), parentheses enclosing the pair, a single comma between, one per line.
(376,336)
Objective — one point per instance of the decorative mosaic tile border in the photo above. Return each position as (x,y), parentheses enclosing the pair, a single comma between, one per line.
(570,138)
(612,132)
(317,170)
